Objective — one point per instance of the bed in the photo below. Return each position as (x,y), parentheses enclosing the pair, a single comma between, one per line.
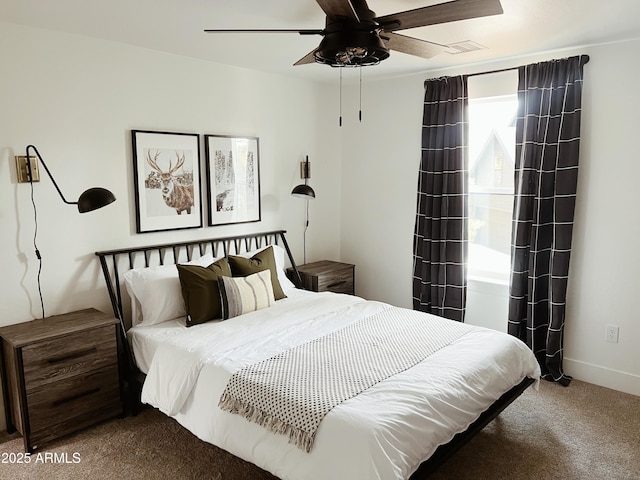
(401,425)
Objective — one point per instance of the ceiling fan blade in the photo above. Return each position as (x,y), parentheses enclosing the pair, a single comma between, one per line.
(308,58)
(412,46)
(441,13)
(301,32)
(362,10)
(232,30)
(338,8)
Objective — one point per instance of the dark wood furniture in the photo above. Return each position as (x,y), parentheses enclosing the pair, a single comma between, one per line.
(326,276)
(60,374)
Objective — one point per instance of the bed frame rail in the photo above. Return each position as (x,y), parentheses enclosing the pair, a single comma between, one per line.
(444,452)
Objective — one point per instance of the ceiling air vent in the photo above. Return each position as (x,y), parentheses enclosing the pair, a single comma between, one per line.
(464,47)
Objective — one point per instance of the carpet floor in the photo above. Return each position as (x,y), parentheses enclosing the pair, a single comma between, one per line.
(574,433)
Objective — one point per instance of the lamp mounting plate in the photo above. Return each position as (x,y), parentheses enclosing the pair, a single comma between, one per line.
(23,173)
(305,170)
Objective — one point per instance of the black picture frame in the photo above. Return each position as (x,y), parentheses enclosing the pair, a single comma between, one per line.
(166,172)
(233,179)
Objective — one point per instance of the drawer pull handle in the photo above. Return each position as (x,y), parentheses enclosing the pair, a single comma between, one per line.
(337,284)
(75,397)
(77,354)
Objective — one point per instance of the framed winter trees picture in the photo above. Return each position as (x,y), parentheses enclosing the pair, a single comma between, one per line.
(166,171)
(233,179)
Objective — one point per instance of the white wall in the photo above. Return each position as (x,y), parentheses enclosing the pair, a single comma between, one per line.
(379,174)
(77,99)
(381,156)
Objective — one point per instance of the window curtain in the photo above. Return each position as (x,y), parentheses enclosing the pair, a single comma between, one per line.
(547,150)
(440,235)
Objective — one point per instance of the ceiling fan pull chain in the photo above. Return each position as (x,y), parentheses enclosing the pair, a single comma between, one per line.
(360,112)
(340,121)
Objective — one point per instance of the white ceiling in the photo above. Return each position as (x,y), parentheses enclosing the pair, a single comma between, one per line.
(176,26)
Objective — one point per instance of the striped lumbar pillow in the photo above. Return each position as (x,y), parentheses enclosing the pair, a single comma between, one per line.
(240,295)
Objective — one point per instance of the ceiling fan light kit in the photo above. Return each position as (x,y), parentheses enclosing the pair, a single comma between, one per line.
(350,47)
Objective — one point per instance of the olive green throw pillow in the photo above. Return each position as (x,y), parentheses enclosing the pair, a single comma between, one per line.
(263,260)
(200,290)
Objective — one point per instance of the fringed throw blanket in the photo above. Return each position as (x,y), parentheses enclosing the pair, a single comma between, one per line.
(290,393)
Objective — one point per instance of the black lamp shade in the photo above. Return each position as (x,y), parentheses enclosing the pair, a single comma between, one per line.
(303,191)
(95,198)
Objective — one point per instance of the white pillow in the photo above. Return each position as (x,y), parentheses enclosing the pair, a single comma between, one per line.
(155,292)
(279,253)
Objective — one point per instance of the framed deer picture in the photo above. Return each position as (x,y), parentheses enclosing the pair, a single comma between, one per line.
(166,171)
(233,179)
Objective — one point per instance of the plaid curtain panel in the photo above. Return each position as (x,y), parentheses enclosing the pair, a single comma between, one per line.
(547,151)
(440,235)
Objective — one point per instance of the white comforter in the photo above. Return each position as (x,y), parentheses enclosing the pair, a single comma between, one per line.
(383,433)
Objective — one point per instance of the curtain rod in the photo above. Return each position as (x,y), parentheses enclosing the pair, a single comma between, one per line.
(465,76)
(490,72)
(585,59)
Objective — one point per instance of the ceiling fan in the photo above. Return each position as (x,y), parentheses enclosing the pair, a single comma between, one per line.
(353,36)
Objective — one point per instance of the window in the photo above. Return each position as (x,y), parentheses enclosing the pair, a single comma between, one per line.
(491,174)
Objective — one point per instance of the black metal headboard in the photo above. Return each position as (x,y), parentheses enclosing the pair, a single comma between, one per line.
(115,262)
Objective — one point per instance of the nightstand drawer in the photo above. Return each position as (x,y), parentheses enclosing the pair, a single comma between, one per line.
(64,357)
(326,276)
(73,397)
(340,281)
(81,419)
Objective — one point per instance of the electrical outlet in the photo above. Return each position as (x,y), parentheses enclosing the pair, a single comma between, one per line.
(612,333)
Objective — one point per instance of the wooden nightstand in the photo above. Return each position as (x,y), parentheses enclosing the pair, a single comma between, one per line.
(327,276)
(60,374)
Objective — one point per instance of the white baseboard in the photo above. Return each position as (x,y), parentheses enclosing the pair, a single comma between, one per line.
(602,376)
